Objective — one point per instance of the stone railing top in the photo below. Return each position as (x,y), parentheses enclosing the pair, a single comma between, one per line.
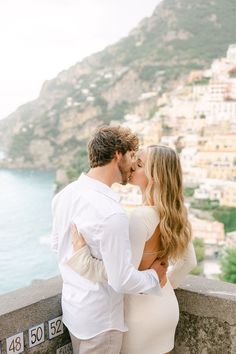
(209,287)
(38,290)
(43,289)
(40,302)
(211,298)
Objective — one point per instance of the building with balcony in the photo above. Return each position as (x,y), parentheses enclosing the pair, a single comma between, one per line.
(228,195)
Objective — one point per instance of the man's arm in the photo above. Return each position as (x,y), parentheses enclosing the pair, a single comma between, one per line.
(87,266)
(116,255)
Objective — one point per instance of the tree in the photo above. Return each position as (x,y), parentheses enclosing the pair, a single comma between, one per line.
(189,192)
(226,215)
(199,247)
(79,165)
(228,265)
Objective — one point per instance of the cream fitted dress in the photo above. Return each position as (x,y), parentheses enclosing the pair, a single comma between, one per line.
(151,319)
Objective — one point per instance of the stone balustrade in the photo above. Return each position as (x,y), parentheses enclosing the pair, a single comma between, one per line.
(30,319)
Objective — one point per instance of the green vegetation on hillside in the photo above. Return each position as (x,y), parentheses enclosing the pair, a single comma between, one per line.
(148,72)
(205,204)
(102,103)
(203,81)
(199,247)
(117,112)
(180,36)
(223,214)
(20,144)
(228,265)
(189,192)
(202,31)
(79,165)
(227,216)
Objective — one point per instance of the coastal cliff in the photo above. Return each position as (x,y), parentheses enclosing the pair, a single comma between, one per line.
(126,77)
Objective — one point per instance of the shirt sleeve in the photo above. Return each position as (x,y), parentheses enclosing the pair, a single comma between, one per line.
(182,267)
(115,248)
(54,232)
(87,266)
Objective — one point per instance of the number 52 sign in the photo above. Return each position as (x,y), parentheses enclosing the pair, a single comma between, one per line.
(55,327)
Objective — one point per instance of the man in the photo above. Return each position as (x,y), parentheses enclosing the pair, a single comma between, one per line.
(93,312)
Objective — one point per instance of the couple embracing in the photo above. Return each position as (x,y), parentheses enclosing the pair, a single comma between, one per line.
(117,294)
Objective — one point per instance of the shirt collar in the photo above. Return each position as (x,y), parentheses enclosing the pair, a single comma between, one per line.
(98,186)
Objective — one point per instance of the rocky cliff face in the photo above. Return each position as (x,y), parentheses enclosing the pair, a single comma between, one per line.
(181,35)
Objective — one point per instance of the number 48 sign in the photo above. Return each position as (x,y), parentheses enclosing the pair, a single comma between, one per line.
(15,344)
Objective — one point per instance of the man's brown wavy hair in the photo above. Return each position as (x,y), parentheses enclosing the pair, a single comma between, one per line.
(107,140)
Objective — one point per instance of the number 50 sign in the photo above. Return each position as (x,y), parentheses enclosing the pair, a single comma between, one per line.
(36,335)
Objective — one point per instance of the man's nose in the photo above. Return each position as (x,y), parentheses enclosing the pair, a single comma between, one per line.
(133,165)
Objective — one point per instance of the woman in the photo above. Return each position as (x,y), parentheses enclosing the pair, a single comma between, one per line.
(158,229)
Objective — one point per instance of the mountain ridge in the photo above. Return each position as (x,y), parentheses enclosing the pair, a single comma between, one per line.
(180,36)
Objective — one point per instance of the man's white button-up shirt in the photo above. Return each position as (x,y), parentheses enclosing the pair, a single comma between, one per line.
(91,308)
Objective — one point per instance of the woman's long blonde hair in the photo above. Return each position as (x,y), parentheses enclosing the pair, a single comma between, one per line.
(165,190)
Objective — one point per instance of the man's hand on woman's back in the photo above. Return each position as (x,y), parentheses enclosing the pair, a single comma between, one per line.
(160,268)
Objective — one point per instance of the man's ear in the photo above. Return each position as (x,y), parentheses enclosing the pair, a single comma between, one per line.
(118,156)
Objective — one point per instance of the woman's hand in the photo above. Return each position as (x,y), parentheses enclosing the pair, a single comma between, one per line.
(77,238)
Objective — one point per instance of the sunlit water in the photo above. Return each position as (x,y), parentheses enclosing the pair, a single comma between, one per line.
(25,224)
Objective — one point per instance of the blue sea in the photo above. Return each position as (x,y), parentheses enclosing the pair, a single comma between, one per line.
(25,225)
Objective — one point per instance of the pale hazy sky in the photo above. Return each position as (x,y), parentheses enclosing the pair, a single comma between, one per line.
(40,38)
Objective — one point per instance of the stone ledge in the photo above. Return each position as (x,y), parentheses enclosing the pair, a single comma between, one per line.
(207,316)
(207,322)
(25,308)
(37,291)
(208,297)
(209,287)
